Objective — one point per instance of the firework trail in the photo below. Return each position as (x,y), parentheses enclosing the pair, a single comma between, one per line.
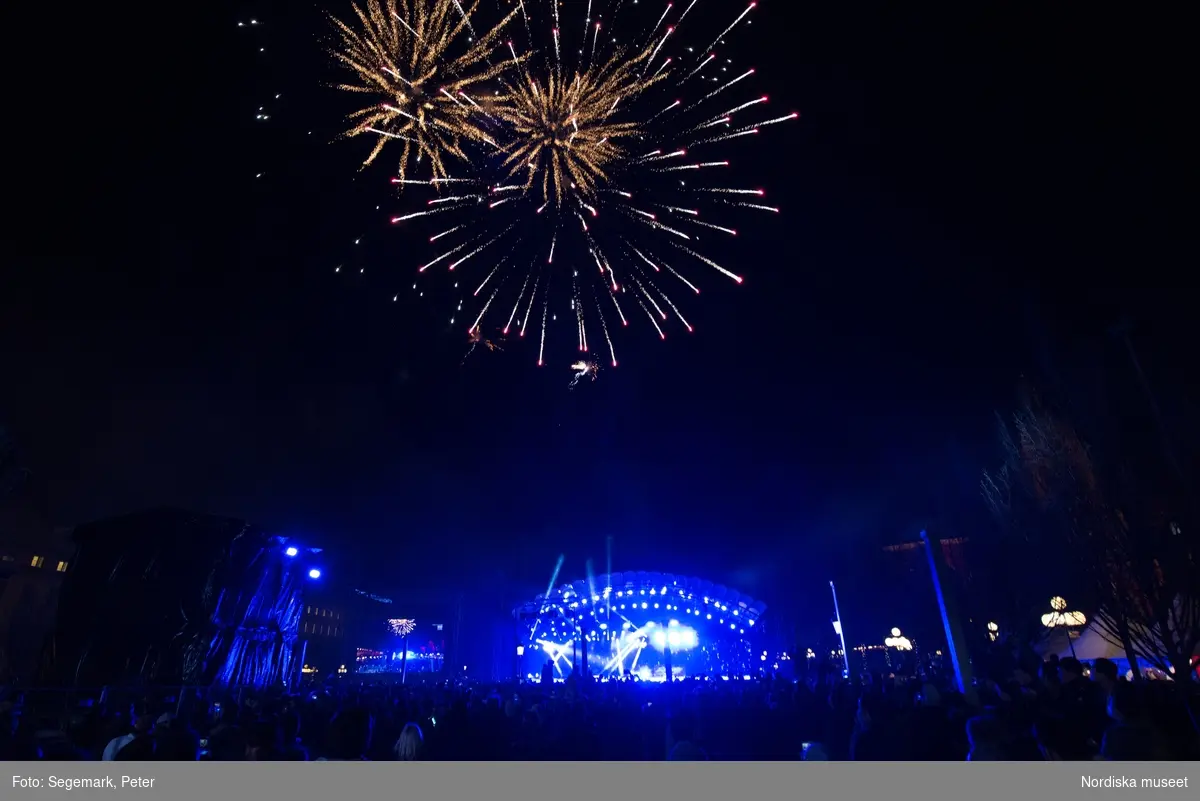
(420,64)
(608,161)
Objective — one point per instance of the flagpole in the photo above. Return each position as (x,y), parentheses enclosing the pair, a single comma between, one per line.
(840,631)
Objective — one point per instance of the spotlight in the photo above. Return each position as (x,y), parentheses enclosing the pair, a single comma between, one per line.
(314,573)
(292,551)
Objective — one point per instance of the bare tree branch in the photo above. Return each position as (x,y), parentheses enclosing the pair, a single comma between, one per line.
(1113,536)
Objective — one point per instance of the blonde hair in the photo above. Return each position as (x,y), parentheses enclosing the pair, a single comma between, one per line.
(408,747)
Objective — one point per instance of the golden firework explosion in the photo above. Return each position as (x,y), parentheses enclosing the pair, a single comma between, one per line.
(399,51)
(561,129)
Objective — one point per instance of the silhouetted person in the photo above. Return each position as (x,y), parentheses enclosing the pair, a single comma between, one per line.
(264,742)
(1082,701)
(1104,673)
(868,740)
(143,722)
(681,732)
(176,742)
(349,736)
(410,745)
(1131,737)
(289,730)
(1059,742)
(986,736)
(227,741)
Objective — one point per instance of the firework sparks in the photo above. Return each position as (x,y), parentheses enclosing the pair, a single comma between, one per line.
(402,626)
(415,59)
(583,369)
(562,128)
(476,339)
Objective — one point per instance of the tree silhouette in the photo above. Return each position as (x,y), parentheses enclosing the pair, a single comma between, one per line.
(1110,535)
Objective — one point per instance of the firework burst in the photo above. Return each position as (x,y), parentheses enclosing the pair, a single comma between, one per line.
(402,626)
(401,53)
(609,192)
(476,339)
(563,131)
(583,369)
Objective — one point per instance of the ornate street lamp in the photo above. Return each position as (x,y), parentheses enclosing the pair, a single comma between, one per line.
(898,641)
(1058,617)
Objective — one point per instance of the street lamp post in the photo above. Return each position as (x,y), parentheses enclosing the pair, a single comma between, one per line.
(1060,618)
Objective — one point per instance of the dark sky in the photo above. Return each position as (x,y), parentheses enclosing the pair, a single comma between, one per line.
(179,336)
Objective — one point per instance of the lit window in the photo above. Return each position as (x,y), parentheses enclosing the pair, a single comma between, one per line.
(38,561)
(62,567)
(308,610)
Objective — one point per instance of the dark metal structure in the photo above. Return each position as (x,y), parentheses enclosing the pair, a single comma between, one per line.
(169,597)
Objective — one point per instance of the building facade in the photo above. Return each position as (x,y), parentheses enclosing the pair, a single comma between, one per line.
(323,635)
(35,557)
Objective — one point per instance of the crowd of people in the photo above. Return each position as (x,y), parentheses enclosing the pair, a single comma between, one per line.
(1055,710)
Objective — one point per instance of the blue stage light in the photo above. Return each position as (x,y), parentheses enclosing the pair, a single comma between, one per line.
(292,551)
(314,573)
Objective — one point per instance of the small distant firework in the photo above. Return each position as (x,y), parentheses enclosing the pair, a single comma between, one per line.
(476,338)
(402,54)
(401,626)
(584,369)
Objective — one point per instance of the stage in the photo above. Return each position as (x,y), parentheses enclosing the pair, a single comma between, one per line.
(640,624)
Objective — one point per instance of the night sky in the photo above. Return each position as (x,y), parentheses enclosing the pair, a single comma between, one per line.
(178,335)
